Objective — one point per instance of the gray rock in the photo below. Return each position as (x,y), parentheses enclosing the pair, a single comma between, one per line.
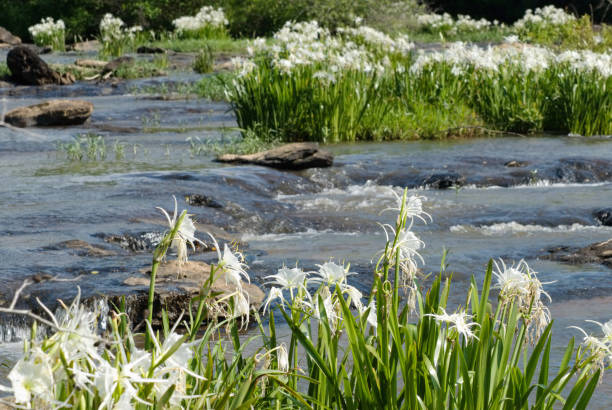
(8,37)
(600,252)
(49,113)
(444,180)
(294,156)
(28,68)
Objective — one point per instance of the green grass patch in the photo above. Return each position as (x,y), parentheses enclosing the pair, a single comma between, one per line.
(192,45)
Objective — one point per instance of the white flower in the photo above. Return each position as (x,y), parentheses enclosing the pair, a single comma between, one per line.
(332,273)
(185,233)
(289,278)
(283,358)
(32,377)
(275,293)
(459,321)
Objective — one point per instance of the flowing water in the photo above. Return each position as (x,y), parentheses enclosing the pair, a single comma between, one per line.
(283,217)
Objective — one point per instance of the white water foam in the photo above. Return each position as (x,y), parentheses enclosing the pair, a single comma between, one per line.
(516,227)
(354,197)
(544,183)
(279,237)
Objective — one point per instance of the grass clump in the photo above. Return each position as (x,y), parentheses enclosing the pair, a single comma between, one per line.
(143,68)
(90,147)
(204,61)
(396,348)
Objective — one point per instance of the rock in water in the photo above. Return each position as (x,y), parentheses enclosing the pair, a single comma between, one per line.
(52,112)
(604,216)
(600,252)
(28,68)
(8,37)
(296,156)
(113,65)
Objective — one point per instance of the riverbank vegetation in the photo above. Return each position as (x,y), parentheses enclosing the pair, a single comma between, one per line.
(398,347)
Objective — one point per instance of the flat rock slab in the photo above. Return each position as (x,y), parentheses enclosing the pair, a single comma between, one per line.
(8,37)
(600,252)
(49,113)
(296,156)
(175,286)
(27,68)
(87,63)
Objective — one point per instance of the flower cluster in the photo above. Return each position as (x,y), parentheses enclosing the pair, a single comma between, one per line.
(202,24)
(599,347)
(329,277)
(519,284)
(445,24)
(116,38)
(462,57)
(545,16)
(49,33)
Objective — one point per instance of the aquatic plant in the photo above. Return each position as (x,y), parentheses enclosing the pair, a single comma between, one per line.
(344,350)
(115,38)
(362,84)
(204,61)
(49,33)
(207,23)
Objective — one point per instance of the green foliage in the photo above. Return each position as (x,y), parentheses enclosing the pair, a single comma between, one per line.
(90,147)
(4,71)
(573,35)
(213,86)
(143,68)
(190,45)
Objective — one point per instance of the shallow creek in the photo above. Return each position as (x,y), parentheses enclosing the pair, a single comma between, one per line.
(284,217)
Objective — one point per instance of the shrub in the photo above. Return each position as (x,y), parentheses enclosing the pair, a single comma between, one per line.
(204,61)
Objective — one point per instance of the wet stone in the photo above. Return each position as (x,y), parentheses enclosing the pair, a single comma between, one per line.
(515,164)
(51,113)
(444,180)
(604,216)
(28,68)
(600,252)
(81,248)
(202,200)
(294,156)
(113,65)
(150,50)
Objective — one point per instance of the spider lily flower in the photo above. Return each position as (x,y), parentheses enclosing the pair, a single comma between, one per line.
(459,321)
(275,293)
(32,377)
(519,283)
(599,347)
(289,278)
(231,265)
(412,208)
(332,274)
(282,358)
(185,234)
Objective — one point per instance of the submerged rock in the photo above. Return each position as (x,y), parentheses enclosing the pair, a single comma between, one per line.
(444,180)
(515,164)
(49,113)
(600,252)
(202,200)
(604,216)
(28,68)
(82,248)
(294,156)
(8,37)
(175,286)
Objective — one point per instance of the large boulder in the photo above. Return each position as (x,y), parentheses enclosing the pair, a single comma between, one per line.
(28,68)
(296,156)
(52,112)
(8,37)
(175,287)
